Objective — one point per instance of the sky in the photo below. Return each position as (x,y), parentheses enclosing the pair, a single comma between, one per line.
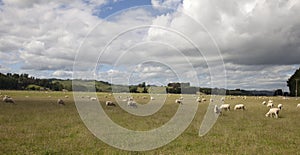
(245,44)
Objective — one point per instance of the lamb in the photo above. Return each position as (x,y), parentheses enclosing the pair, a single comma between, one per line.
(60,102)
(298,105)
(273,111)
(110,103)
(8,99)
(132,104)
(280,106)
(225,106)
(239,106)
(217,110)
(270,104)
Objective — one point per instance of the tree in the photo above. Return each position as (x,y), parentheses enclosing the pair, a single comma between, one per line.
(294,83)
(278,92)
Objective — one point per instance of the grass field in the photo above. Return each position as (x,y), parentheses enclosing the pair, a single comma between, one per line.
(37,125)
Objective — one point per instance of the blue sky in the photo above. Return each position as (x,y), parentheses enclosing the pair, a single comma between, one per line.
(112,7)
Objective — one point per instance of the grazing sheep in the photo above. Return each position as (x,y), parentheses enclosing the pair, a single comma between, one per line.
(270,104)
(132,104)
(198,99)
(110,103)
(179,101)
(264,103)
(60,102)
(130,98)
(217,110)
(8,99)
(93,98)
(225,106)
(66,96)
(151,98)
(223,99)
(280,106)
(273,111)
(203,99)
(298,105)
(181,98)
(239,106)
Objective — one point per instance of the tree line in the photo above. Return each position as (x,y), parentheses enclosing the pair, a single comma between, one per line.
(11,81)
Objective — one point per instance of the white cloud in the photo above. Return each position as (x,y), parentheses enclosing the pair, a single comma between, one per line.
(259,40)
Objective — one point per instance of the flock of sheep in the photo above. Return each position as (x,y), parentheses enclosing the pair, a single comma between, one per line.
(273,111)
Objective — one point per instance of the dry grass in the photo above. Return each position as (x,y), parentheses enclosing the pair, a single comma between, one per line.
(37,125)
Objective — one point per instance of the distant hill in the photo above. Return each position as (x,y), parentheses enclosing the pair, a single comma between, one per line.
(11,81)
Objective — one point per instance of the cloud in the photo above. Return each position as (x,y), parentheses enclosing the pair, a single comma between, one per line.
(257,41)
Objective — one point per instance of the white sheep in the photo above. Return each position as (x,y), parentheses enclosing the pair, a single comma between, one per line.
(179,101)
(132,104)
(8,99)
(280,106)
(203,99)
(60,102)
(273,111)
(151,98)
(110,103)
(264,103)
(225,106)
(217,110)
(270,104)
(198,99)
(93,98)
(239,106)
(66,96)
(298,105)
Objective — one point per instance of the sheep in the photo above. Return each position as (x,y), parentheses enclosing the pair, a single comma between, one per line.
(198,99)
(239,106)
(203,99)
(298,105)
(93,98)
(179,101)
(264,103)
(181,98)
(110,103)
(223,99)
(132,104)
(273,111)
(130,98)
(217,110)
(225,106)
(280,106)
(151,98)
(60,102)
(66,96)
(270,104)
(8,99)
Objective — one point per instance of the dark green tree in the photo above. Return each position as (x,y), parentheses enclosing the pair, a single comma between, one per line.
(294,83)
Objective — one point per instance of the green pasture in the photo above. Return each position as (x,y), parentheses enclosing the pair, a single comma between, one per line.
(37,125)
